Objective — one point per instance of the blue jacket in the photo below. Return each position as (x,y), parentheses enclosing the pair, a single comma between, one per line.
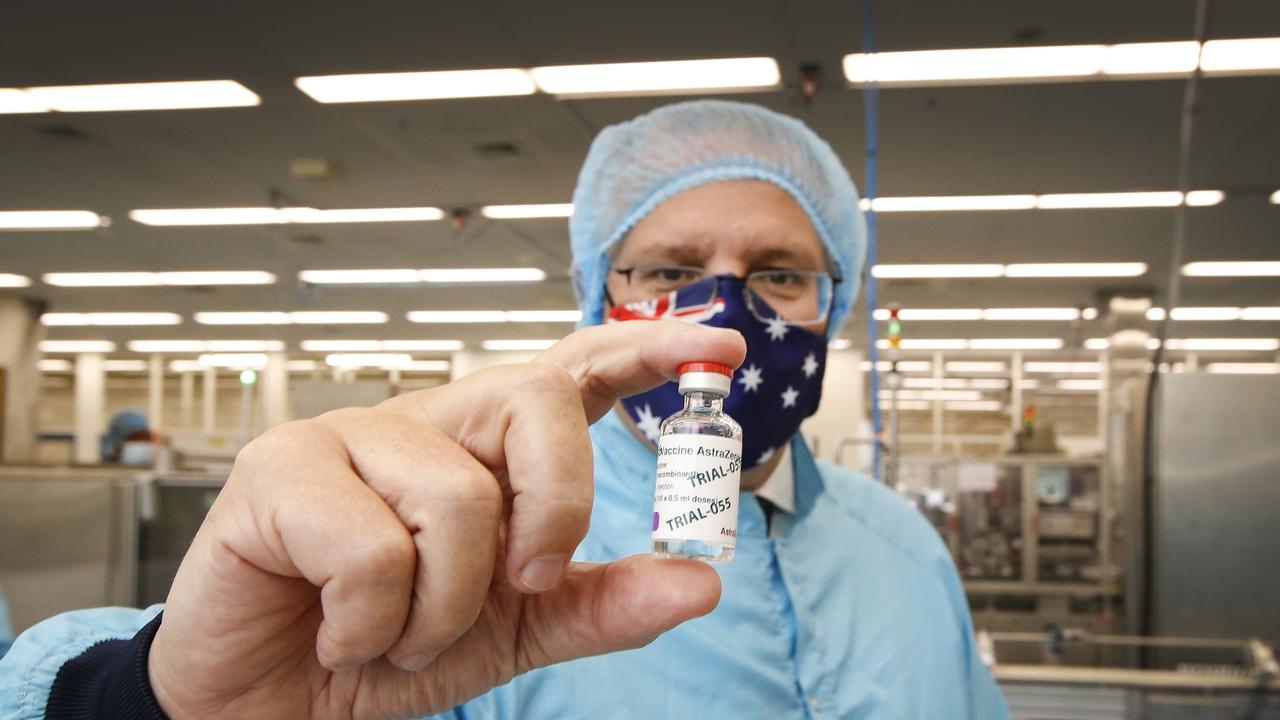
(854,610)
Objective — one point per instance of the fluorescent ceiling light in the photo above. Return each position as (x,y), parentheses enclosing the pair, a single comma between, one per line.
(102,279)
(53,365)
(360,346)
(422,345)
(482,275)
(1243,56)
(978,366)
(393,276)
(974,405)
(1089,313)
(243,318)
(457,316)
(905,404)
(142,279)
(932,394)
(1082,384)
(904,366)
(217,277)
(350,317)
(1241,268)
(14,100)
(406,276)
(1275,198)
(644,78)
(493,316)
(953,202)
(1015,344)
(144,96)
(1169,198)
(209,346)
(1097,344)
(517,344)
(301,365)
(952,383)
(279,216)
(9,280)
(1241,368)
(110,318)
(305,317)
(512,212)
(239,361)
(77,346)
(930,314)
(1064,62)
(840,344)
(361,360)
(1050,270)
(439,85)
(50,220)
(1205,198)
(1260,313)
(937,271)
(924,344)
(125,365)
(1063,368)
(1031,314)
(1228,344)
(1198,313)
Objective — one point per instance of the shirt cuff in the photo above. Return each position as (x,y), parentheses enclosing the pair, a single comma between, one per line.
(108,680)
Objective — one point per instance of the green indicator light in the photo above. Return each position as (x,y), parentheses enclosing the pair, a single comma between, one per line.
(895,328)
(248,377)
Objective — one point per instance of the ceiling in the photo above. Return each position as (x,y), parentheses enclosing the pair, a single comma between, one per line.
(1033,138)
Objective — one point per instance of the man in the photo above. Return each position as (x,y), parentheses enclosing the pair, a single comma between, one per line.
(405,559)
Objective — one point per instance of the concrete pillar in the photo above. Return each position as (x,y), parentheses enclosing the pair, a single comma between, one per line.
(91,397)
(155,393)
(275,391)
(20,336)
(187,397)
(209,408)
(838,420)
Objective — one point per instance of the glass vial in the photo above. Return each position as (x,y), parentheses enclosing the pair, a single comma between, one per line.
(695,505)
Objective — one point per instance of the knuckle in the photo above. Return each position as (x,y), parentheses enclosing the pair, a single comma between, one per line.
(393,554)
(548,378)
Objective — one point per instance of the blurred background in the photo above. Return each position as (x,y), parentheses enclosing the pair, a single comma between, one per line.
(215,218)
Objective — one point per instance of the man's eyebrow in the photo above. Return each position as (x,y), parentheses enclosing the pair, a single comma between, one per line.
(674,253)
(782,254)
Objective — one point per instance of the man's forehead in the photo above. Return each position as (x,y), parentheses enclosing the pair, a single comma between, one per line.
(754,220)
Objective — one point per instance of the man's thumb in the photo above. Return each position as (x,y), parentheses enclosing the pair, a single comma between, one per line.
(601,608)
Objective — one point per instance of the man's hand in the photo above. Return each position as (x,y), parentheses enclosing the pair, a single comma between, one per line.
(399,560)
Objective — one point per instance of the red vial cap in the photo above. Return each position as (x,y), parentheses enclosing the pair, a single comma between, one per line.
(707,367)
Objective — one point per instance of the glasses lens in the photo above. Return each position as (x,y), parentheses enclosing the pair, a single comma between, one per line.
(798,296)
(654,281)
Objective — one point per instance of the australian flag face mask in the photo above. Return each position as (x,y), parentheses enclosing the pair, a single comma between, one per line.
(777,386)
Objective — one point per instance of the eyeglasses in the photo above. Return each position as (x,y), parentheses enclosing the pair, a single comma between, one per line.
(798,297)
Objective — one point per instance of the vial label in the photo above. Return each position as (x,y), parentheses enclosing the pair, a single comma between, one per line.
(696,495)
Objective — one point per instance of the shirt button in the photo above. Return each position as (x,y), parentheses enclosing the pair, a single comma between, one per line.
(816,704)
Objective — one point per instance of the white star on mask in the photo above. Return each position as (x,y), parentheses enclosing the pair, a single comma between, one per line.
(751,377)
(810,365)
(648,423)
(776,327)
(789,397)
(766,455)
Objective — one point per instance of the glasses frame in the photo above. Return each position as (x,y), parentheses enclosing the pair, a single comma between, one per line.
(748,293)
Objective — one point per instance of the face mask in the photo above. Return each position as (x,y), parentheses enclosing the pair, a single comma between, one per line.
(137,454)
(778,385)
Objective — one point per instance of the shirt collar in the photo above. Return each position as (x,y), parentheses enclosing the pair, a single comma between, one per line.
(780,487)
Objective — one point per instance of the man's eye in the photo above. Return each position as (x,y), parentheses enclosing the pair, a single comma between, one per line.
(672,274)
(783,279)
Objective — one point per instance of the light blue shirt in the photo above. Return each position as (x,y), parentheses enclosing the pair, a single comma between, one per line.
(6,627)
(852,610)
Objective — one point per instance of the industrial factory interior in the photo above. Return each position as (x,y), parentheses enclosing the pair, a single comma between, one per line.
(368,316)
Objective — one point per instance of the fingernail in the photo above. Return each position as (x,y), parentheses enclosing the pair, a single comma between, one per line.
(414,663)
(542,573)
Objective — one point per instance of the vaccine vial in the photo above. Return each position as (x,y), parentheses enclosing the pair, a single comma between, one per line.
(695,504)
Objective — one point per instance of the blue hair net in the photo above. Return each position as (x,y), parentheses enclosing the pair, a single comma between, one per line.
(635,166)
